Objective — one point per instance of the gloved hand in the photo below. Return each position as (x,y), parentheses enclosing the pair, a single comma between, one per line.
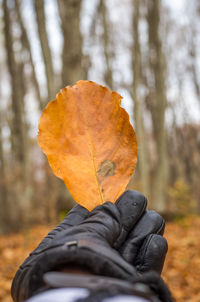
(92,239)
(144,247)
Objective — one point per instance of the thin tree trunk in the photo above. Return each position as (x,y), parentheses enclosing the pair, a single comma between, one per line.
(18,129)
(72,69)
(158,103)
(26,44)
(143,163)
(46,52)
(108,77)
(17,120)
(50,204)
(194,66)
(194,55)
(4,206)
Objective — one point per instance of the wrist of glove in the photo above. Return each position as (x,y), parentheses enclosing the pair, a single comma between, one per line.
(149,286)
(119,240)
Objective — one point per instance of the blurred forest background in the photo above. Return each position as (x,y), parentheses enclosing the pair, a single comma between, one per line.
(147,50)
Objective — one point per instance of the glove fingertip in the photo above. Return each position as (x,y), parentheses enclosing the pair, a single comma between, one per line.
(77,214)
(131,205)
(152,254)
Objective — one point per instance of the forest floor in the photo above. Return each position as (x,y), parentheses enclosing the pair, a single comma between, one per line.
(181,271)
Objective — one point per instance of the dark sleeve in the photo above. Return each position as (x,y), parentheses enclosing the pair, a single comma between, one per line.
(21,282)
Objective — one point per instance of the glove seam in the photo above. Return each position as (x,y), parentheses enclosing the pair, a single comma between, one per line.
(145,250)
(161,227)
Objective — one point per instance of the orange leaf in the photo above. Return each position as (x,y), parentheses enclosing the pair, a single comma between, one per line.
(89,142)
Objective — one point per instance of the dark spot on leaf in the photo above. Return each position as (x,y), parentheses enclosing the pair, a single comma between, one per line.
(107,168)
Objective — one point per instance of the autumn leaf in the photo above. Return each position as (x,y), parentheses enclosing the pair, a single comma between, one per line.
(89,142)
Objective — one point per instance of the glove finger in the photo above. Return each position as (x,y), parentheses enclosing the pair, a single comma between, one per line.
(150,223)
(131,206)
(114,221)
(152,254)
(74,217)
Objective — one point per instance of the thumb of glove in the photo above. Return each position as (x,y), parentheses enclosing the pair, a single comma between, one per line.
(114,221)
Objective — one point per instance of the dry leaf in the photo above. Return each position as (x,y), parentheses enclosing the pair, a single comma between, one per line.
(89,142)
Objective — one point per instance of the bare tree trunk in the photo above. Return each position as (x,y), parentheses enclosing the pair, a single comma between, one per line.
(26,44)
(194,53)
(18,128)
(40,15)
(50,203)
(72,69)
(158,102)
(4,206)
(194,67)
(18,147)
(108,77)
(143,162)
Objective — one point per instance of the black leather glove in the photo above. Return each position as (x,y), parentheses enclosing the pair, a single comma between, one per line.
(92,239)
(145,248)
